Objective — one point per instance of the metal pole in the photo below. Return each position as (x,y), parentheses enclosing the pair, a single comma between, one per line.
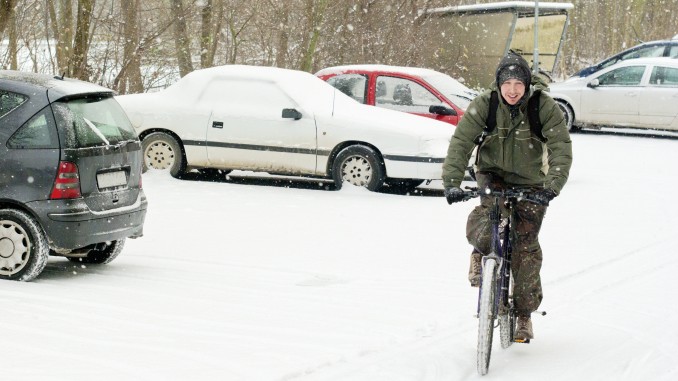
(535,57)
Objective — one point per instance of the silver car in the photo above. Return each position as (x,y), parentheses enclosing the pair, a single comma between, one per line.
(637,93)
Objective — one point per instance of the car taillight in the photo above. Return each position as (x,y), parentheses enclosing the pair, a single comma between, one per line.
(67,183)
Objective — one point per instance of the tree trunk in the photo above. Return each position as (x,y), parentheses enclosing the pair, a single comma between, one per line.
(182,42)
(81,41)
(206,35)
(284,37)
(6,12)
(130,81)
(315,12)
(62,27)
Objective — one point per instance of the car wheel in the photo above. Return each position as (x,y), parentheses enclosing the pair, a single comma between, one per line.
(102,254)
(568,114)
(23,246)
(163,152)
(360,166)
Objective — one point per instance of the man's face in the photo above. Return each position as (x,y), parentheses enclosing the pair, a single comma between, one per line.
(512,90)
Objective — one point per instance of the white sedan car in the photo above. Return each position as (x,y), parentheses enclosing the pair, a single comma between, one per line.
(286,122)
(639,93)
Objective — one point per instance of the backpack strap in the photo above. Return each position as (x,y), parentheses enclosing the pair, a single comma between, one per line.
(491,121)
(533,115)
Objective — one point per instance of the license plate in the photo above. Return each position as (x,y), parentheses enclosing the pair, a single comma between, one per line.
(111,179)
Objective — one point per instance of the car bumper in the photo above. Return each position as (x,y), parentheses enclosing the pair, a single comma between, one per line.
(71,225)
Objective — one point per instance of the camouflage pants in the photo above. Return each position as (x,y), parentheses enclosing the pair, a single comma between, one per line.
(526,254)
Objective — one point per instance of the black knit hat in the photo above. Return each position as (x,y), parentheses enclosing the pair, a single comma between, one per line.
(513,66)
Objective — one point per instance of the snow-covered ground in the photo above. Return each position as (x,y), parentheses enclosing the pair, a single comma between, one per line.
(249,280)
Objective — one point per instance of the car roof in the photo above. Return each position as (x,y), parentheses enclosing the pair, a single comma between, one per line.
(57,87)
(416,71)
(668,61)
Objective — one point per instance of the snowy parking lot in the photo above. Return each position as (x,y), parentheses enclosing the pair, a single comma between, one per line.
(258,279)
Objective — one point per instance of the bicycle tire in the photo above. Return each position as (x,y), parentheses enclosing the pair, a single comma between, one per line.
(507,320)
(506,327)
(486,315)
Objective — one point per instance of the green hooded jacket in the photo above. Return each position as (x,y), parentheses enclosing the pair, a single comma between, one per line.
(511,150)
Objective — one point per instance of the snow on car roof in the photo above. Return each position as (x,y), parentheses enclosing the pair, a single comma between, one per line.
(502,5)
(57,86)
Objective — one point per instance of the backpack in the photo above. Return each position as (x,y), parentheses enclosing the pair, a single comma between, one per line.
(532,117)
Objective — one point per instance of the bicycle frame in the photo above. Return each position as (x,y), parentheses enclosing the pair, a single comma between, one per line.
(501,253)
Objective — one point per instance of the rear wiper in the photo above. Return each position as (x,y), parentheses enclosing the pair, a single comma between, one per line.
(96,131)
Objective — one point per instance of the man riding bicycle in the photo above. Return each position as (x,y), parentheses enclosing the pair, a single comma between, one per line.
(512,153)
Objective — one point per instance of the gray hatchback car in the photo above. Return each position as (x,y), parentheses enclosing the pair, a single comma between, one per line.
(70,174)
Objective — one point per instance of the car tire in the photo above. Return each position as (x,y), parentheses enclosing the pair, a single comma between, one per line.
(162,152)
(23,246)
(102,256)
(568,114)
(360,166)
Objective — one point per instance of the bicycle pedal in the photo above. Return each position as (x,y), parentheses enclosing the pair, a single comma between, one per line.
(521,341)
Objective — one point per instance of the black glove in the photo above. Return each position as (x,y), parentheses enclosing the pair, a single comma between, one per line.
(454,194)
(544,196)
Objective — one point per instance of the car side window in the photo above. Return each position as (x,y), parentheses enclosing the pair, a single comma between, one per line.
(353,85)
(9,101)
(37,132)
(673,52)
(241,95)
(404,95)
(664,76)
(624,76)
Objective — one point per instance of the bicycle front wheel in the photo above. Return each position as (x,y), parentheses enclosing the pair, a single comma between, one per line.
(486,315)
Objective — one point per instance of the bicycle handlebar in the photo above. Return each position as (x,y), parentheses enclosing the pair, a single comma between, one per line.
(518,194)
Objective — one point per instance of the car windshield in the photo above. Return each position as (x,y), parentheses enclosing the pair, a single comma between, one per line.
(459,94)
(92,121)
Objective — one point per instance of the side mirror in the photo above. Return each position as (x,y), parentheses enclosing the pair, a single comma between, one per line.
(441,110)
(594,83)
(291,113)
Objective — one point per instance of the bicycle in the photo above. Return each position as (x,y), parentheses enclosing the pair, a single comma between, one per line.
(495,296)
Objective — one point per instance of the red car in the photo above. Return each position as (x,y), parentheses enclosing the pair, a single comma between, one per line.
(417,91)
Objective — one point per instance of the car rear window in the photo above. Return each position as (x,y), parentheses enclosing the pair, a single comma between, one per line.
(92,121)
(9,101)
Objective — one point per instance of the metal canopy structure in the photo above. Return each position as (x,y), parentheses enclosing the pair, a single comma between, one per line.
(467,41)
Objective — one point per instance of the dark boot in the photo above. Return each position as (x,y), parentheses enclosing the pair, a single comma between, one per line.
(474,269)
(523,329)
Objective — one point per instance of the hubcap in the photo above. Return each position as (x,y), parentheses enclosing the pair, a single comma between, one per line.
(356,170)
(159,155)
(14,248)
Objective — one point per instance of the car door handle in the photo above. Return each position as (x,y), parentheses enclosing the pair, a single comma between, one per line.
(632,94)
(217,124)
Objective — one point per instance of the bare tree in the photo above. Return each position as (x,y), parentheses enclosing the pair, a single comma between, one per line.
(81,41)
(182,41)
(315,12)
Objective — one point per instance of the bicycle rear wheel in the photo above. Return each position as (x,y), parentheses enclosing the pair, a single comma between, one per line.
(506,327)
(507,318)
(486,315)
